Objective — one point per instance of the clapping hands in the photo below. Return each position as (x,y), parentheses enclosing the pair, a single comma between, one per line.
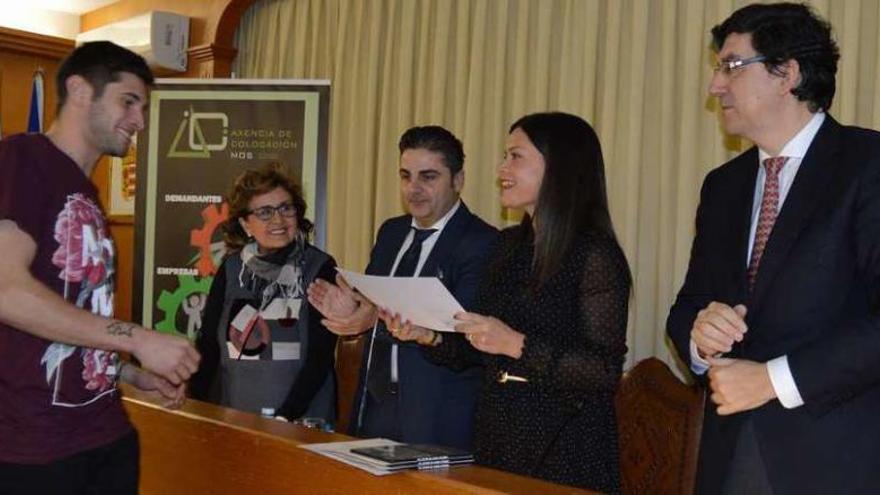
(346,312)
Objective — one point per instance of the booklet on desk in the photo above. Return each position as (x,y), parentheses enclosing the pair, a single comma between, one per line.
(409,455)
(402,456)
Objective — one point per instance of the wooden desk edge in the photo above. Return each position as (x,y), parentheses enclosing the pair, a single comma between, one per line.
(466,479)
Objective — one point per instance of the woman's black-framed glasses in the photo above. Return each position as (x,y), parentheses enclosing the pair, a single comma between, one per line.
(265,213)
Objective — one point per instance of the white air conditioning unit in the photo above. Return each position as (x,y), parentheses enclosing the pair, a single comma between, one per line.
(160,37)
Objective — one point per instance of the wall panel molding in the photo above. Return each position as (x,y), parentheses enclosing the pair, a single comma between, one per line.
(23,42)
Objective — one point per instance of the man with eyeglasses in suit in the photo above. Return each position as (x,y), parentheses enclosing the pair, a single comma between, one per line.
(777,311)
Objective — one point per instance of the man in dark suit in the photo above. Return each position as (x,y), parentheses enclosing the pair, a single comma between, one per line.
(778,306)
(400,394)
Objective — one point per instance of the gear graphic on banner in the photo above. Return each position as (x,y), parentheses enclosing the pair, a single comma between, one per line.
(210,253)
(188,298)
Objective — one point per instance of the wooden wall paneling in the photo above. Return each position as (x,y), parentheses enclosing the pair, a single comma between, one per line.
(123,235)
(39,45)
(21,54)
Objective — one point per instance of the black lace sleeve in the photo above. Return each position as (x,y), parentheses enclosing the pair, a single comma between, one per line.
(454,352)
(595,362)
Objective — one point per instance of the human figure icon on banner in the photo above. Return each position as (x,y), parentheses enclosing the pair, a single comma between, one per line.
(193,306)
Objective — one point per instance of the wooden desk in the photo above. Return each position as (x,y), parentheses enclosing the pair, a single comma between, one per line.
(207,449)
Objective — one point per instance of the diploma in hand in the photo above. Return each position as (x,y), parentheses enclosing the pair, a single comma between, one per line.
(424,301)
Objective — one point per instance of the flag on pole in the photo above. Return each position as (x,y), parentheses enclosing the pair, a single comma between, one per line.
(35,116)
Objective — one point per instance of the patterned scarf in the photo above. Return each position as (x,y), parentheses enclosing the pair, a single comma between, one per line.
(275,275)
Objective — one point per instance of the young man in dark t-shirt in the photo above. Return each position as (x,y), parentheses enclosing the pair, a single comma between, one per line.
(62,425)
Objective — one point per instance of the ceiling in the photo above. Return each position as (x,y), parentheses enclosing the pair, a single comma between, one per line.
(59,18)
(69,6)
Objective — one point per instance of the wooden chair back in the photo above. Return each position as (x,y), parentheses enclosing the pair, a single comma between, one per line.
(659,421)
(348,367)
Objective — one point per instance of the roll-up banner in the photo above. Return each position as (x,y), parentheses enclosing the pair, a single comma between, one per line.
(200,135)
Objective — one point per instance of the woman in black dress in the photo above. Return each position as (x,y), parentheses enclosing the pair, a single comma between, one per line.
(550,318)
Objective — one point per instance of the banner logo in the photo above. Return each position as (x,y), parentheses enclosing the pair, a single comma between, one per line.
(199,147)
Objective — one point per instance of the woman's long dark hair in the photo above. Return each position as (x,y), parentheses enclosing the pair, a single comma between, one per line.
(572,199)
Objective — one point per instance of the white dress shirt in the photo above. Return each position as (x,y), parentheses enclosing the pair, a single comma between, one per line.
(778,369)
(427,247)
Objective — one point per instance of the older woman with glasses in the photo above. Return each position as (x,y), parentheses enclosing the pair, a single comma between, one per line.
(263,346)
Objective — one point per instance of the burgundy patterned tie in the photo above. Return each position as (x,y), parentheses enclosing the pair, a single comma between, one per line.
(767,217)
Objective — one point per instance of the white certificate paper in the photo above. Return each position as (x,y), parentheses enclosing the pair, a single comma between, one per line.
(424,301)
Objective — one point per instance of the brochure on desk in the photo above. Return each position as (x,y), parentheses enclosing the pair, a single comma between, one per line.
(381,456)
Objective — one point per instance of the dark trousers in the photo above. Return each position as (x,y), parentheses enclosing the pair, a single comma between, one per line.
(110,469)
(747,474)
(381,418)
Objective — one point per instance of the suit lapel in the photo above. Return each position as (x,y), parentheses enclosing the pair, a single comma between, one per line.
(391,246)
(449,239)
(803,198)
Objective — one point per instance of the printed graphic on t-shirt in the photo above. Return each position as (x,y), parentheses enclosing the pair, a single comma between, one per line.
(85,256)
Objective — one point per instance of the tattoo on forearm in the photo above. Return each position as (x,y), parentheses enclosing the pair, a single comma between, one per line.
(121,328)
